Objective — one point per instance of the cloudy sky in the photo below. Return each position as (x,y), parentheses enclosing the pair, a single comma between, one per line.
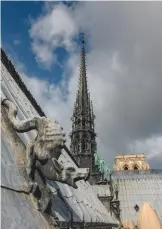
(124,66)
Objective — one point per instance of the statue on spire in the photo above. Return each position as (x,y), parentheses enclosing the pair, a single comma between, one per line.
(97,159)
(108,173)
(102,165)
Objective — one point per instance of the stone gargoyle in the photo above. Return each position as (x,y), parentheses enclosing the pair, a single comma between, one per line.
(43,153)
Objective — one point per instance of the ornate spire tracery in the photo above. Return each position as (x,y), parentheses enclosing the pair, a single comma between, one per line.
(83,110)
(83,142)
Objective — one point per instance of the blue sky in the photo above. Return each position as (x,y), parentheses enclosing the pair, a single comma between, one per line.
(123,66)
(16,23)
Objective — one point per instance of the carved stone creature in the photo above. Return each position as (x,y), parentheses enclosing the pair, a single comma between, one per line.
(44,151)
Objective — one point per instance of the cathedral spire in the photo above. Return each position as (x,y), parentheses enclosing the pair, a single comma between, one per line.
(83,142)
(83,112)
(82,96)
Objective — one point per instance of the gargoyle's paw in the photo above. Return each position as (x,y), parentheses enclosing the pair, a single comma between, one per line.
(43,206)
(33,187)
(45,203)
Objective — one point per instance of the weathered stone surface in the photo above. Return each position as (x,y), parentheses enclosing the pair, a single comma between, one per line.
(43,153)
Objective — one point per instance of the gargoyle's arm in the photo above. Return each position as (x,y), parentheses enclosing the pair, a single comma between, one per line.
(19,126)
(30,160)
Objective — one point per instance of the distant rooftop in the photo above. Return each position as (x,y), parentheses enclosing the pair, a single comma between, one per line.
(131,162)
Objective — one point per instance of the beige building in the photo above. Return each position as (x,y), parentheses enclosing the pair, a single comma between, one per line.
(131,162)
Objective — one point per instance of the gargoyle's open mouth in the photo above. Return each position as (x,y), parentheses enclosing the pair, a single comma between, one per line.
(87,177)
(77,179)
(71,170)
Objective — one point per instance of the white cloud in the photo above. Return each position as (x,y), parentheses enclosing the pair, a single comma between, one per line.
(123,67)
(55,28)
(152,146)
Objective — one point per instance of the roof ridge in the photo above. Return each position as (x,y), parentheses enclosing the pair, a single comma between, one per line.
(10,67)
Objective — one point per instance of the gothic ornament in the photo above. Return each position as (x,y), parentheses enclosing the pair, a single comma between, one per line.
(43,153)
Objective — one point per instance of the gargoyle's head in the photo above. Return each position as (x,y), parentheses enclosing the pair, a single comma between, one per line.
(71,175)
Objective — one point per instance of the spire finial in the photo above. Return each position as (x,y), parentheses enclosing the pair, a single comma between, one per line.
(83,41)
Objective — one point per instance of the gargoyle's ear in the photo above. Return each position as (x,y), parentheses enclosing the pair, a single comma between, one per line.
(57,165)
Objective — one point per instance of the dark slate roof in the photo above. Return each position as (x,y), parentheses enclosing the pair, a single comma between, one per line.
(138,187)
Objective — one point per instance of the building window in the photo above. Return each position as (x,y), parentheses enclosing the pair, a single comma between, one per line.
(135,167)
(125,167)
